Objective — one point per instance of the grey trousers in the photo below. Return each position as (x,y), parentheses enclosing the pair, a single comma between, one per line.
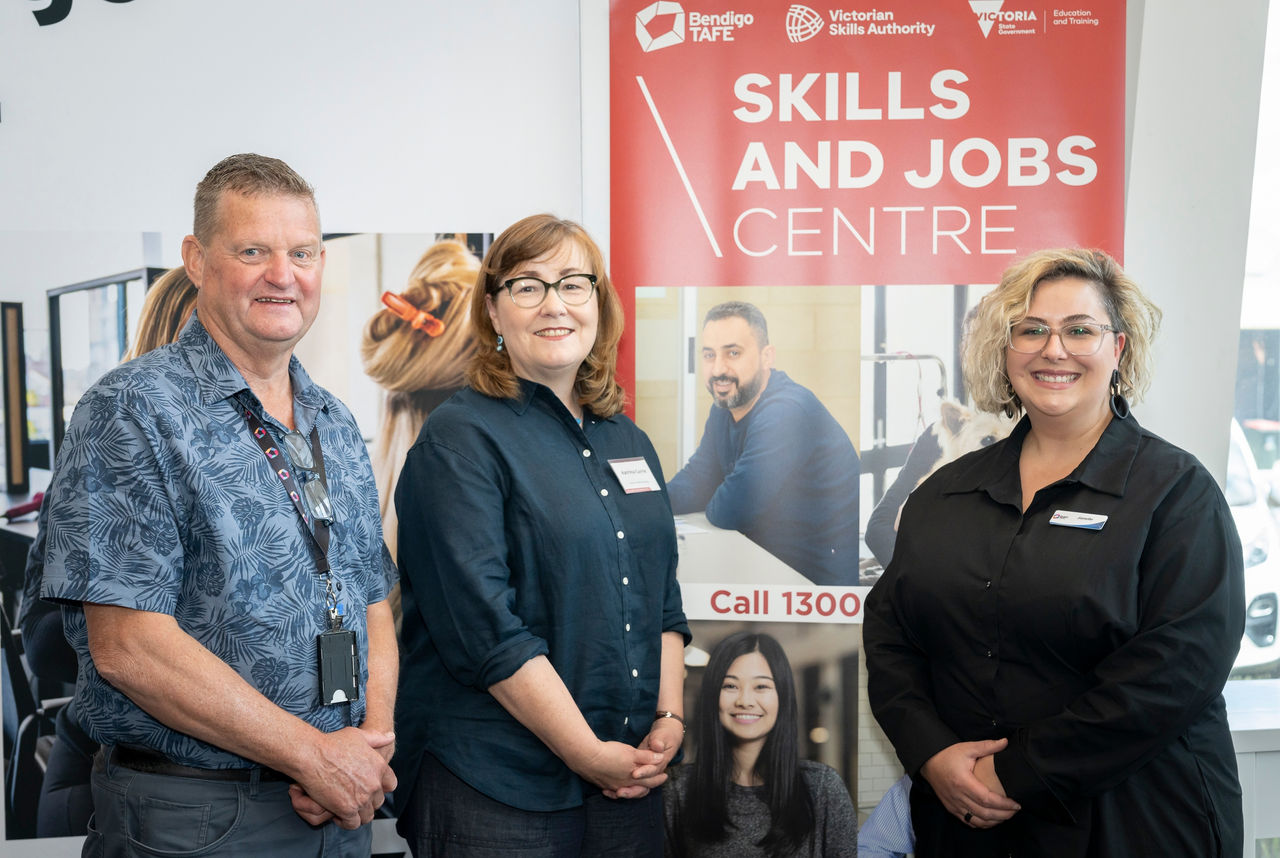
(141,814)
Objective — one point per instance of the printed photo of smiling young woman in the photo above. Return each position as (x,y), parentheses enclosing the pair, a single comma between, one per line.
(770,751)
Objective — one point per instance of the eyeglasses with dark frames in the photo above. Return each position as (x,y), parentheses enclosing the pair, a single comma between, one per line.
(529,292)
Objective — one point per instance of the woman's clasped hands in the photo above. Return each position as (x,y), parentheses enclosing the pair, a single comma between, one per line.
(964,778)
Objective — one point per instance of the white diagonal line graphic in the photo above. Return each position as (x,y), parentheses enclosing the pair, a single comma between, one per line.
(675,159)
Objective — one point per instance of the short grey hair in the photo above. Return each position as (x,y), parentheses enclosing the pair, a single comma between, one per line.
(248,174)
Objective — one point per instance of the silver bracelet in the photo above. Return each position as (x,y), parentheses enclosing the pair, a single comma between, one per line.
(667,713)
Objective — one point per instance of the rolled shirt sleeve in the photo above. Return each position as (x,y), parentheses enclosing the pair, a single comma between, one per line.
(453,547)
(517,539)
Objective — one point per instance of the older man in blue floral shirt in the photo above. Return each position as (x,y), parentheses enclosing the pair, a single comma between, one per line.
(215,539)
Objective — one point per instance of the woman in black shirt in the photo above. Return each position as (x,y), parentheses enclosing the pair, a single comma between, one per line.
(1048,647)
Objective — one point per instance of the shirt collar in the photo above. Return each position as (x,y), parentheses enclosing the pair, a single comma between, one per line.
(524,397)
(1108,465)
(531,391)
(1106,468)
(217,377)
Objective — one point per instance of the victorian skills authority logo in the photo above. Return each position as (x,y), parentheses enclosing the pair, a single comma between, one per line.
(650,42)
(803,23)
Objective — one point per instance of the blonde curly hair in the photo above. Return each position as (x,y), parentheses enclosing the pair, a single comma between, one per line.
(987,331)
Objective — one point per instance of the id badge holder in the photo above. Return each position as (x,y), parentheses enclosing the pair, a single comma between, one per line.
(339,663)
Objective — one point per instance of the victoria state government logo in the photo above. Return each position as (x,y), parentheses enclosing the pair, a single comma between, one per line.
(650,41)
(803,23)
(991,12)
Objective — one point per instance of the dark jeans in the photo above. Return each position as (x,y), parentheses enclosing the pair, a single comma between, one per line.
(141,814)
(448,817)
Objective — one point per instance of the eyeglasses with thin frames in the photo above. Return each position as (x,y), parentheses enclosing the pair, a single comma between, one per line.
(529,292)
(1080,339)
(318,500)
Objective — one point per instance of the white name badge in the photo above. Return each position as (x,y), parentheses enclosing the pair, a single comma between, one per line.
(1085,520)
(634,474)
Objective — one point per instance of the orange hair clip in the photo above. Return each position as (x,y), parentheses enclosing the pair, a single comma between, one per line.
(420,319)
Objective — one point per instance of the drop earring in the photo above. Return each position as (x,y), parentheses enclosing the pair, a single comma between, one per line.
(499,348)
(1119,405)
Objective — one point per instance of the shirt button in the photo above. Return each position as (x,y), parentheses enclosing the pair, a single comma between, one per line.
(586,453)
(604,493)
(634,673)
(628,627)
(988,653)
(993,722)
(988,584)
(620,534)
(626,721)
(625,582)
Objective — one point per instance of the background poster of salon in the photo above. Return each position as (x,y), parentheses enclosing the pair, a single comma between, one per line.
(862,174)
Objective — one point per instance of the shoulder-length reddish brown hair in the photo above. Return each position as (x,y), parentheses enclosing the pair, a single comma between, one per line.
(490,370)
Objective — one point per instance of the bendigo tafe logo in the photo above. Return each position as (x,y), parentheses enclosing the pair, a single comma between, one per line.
(990,12)
(57,10)
(652,18)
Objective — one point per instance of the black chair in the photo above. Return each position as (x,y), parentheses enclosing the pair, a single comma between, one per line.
(28,734)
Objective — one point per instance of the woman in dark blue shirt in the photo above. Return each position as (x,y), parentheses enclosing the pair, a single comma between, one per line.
(541,682)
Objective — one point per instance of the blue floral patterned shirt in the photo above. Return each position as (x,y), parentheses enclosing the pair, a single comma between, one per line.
(162,501)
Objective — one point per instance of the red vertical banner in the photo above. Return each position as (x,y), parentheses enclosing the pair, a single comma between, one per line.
(765,143)
(918,146)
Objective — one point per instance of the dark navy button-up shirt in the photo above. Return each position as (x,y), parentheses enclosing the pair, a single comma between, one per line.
(517,540)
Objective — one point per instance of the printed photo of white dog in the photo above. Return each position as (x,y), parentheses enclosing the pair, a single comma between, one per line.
(958,430)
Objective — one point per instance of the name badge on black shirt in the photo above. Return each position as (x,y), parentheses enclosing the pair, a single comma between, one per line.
(1083,520)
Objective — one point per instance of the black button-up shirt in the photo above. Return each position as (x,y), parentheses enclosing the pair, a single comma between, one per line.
(517,540)
(1101,654)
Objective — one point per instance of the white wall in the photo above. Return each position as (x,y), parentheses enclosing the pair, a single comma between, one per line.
(1194,127)
(404,115)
